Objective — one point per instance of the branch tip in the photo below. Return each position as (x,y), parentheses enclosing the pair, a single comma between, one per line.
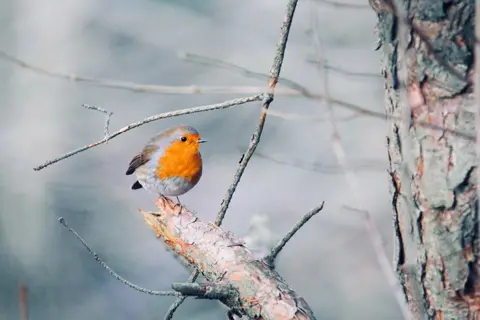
(110,271)
(270,259)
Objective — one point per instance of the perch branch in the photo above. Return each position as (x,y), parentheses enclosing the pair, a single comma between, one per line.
(270,259)
(113,273)
(259,290)
(223,105)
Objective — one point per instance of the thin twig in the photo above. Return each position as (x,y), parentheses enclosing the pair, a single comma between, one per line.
(181,299)
(361,165)
(268,98)
(345,71)
(270,259)
(310,95)
(113,273)
(223,105)
(294,116)
(131,86)
(241,70)
(353,183)
(294,89)
(23,302)
(274,76)
(107,113)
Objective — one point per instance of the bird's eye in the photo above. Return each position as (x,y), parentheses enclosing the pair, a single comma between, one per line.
(183,139)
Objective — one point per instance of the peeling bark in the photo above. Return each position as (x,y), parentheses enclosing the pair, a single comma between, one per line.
(433,173)
(257,290)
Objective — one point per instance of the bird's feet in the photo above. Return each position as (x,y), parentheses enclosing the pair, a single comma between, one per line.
(179,205)
(212,224)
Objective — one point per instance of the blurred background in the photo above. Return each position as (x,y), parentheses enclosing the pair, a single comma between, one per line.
(330,263)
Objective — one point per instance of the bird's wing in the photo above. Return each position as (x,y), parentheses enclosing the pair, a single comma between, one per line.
(141,158)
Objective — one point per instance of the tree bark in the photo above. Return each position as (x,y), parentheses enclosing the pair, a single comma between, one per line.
(433,173)
(246,285)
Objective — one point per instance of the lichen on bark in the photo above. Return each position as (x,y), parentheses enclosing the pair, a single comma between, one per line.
(433,173)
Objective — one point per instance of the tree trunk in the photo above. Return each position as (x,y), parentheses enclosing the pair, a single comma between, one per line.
(433,172)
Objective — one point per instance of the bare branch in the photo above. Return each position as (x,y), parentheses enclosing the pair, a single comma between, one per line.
(217,63)
(135,87)
(176,113)
(270,259)
(344,71)
(181,299)
(294,116)
(23,302)
(352,181)
(113,273)
(260,291)
(274,76)
(367,164)
(108,115)
(206,290)
(294,89)
(268,98)
(310,95)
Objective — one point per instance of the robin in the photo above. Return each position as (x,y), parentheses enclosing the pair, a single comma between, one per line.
(170,164)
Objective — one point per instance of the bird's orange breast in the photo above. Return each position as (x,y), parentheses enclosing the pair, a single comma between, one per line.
(180,160)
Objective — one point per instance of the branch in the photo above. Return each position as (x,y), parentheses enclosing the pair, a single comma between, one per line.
(108,115)
(207,290)
(353,183)
(344,71)
(362,165)
(325,98)
(257,291)
(295,90)
(113,273)
(223,105)
(268,98)
(23,302)
(270,259)
(135,87)
(180,300)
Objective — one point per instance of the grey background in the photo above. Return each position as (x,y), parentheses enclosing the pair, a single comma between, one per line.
(331,262)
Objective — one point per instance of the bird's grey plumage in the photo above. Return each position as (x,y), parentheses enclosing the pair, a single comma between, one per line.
(144,163)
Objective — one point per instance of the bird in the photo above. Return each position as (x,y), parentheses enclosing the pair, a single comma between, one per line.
(170,164)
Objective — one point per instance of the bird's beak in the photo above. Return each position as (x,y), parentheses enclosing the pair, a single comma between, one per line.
(201,140)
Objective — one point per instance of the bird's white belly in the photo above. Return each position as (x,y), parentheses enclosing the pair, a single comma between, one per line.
(171,187)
